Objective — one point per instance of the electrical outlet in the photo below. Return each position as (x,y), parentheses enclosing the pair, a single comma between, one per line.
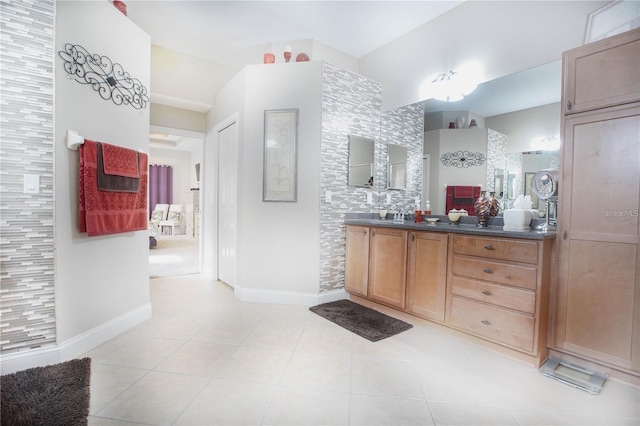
(369,198)
(327,196)
(31,184)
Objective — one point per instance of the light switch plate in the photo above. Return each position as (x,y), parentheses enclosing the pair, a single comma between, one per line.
(369,198)
(31,184)
(327,196)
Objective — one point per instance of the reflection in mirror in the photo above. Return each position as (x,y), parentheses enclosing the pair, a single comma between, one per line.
(499,182)
(361,161)
(519,164)
(396,167)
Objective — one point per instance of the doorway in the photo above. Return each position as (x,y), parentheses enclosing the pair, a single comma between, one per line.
(178,248)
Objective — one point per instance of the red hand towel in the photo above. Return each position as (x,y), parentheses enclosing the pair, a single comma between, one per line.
(120,161)
(103,212)
(463,191)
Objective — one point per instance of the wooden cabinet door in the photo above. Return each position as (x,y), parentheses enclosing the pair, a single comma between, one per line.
(356,270)
(603,73)
(598,314)
(388,266)
(427,274)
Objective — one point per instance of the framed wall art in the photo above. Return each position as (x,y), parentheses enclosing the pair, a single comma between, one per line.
(280,173)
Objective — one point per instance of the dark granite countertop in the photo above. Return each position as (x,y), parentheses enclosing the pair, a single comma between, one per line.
(467,225)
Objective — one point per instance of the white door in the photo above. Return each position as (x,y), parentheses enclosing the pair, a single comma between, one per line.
(227,202)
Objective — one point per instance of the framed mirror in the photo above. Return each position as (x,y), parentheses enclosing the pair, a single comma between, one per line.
(396,167)
(361,161)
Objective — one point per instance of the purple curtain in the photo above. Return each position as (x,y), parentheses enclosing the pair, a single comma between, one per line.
(160,186)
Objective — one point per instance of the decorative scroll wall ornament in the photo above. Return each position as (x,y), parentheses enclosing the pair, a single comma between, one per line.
(462,159)
(109,79)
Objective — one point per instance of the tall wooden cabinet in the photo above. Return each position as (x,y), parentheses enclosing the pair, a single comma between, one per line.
(597,313)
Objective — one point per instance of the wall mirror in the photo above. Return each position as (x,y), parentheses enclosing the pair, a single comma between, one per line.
(396,167)
(496,101)
(361,161)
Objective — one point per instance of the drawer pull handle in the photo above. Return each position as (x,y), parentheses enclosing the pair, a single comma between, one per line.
(488,270)
(486,293)
(489,247)
(486,322)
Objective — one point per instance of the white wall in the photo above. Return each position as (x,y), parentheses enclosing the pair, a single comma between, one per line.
(177,118)
(186,81)
(507,37)
(438,142)
(524,127)
(102,283)
(278,243)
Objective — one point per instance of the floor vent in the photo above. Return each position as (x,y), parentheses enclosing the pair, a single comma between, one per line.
(574,375)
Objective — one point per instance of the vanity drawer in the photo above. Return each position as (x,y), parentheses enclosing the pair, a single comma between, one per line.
(497,324)
(502,273)
(495,248)
(508,297)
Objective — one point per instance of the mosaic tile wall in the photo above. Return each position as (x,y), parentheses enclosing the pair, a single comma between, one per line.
(27,295)
(352,105)
(496,158)
(405,127)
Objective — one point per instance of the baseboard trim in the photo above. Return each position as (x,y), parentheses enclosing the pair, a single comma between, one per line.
(75,346)
(288,297)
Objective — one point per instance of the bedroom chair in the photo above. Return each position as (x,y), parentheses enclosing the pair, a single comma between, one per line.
(159,213)
(175,219)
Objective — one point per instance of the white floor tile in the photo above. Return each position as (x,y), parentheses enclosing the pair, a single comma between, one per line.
(255,365)
(319,371)
(384,377)
(108,381)
(198,358)
(206,358)
(466,415)
(225,402)
(297,406)
(157,399)
(377,410)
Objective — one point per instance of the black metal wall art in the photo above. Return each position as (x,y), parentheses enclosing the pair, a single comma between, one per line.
(462,159)
(109,79)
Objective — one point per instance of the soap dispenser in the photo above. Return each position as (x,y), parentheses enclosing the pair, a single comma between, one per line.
(427,208)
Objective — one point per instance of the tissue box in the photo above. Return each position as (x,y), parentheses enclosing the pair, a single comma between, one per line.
(516,220)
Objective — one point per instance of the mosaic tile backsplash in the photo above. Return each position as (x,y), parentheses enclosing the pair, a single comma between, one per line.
(27,295)
(352,105)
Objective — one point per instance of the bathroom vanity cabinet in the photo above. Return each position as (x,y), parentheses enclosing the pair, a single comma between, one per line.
(427,275)
(492,287)
(388,266)
(356,273)
(499,291)
(597,310)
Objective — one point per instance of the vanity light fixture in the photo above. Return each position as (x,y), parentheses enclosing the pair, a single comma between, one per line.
(453,86)
(548,143)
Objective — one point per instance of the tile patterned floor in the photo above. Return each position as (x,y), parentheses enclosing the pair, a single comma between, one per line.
(206,358)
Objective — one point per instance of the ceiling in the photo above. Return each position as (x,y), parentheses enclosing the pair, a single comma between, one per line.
(221,31)
(233,32)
